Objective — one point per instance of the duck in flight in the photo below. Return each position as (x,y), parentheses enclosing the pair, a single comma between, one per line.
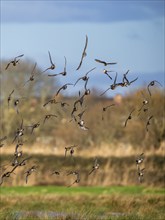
(32,75)
(104,63)
(53,66)
(64,73)
(29,172)
(140,159)
(129,117)
(85,77)
(148,122)
(48,117)
(9,98)
(95,166)
(84,54)
(105,108)
(140,174)
(14,61)
(152,83)
(63,87)
(19,132)
(77,174)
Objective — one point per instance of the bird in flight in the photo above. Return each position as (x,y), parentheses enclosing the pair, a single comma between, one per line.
(9,97)
(106,73)
(63,87)
(14,61)
(140,174)
(95,166)
(84,54)
(126,82)
(152,83)
(53,66)
(70,149)
(52,101)
(104,63)
(36,125)
(48,117)
(77,174)
(148,122)
(105,108)
(112,87)
(29,172)
(16,103)
(85,77)
(62,73)
(129,117)
(140,159)
(19,132)
(32,75)
(144,103)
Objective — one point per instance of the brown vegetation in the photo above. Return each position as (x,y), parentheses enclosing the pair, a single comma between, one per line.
(107,139)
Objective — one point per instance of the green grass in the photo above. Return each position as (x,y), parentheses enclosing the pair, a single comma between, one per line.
(24,190)
(81,203)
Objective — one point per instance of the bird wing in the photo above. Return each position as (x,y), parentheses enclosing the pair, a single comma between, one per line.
(50,58)
(105,91)
(111,63)
(7,66)
(100,61)
(83,54)
(19,56)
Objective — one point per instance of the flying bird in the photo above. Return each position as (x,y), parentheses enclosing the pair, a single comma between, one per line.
(16,103)
(70,149)
(77,174)
(48,116)
(51,101)
(140,174)
(148,122)
(129,117)
(34,126)
(152,83)
(105,108)
(103,62)
(144,103)
(19,132)
(14,61)
(32,75)
(63,87)
(29,172)
(112,87)
(106,73)
(53,66)
(82,126)
(126,82)
(84,54)
(85,77)
(64,73)
(9,97)
(140,159)
(95,166)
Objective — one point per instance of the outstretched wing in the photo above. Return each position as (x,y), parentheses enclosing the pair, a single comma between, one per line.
(100,61)
(83,54)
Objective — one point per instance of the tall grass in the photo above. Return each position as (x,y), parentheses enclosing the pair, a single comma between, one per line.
(82,203)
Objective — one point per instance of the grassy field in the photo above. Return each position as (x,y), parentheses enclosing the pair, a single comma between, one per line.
(111,203)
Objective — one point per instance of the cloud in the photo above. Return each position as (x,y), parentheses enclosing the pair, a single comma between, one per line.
(81,11)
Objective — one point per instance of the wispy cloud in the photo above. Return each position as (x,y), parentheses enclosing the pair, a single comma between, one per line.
(79,11)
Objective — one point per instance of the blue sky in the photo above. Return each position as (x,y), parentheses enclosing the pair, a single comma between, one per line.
(130,33)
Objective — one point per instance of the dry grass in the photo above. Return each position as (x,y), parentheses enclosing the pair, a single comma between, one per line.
(103,150)
(83,206)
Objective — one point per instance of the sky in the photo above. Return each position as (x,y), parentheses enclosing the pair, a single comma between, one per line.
(130,33)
